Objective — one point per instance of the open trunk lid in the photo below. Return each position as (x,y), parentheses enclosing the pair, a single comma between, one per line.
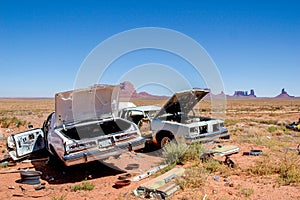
(183,101)
(97,102)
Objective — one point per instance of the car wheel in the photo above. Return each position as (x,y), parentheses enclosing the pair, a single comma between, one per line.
(164,141)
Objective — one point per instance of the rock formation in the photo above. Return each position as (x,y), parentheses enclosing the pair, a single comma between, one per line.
(127,91)
(284,94)
(244,94)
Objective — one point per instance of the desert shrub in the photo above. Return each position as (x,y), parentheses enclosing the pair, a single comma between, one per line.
(193,152)
(173,152)
(84,185)
(179,153)
(272,129)
(247,192)
(4,165)
(62,197)
(212,165)
(288,168)
(230,122)
(254,131)
(215,166)
(269,121)
(6,122)
(263,167)
(194,177)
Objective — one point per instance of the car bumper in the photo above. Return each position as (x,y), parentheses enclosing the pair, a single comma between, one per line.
(206,137)
(102,153)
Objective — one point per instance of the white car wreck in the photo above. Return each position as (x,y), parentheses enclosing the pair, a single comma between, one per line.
(176,120)
(83,128)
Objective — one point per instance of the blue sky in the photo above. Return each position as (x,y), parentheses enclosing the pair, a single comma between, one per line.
(255,44)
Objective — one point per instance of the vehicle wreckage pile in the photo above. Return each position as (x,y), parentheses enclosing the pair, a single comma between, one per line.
(87,125)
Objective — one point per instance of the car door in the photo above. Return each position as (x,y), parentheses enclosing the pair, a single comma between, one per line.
(24,143)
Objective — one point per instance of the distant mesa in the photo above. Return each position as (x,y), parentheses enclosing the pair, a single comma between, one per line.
(127,91)
(284,94)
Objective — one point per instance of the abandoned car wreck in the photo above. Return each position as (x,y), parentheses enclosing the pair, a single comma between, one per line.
(177,120)
(83,128)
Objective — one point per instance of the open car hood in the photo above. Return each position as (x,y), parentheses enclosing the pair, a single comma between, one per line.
(183,101)
(96,102)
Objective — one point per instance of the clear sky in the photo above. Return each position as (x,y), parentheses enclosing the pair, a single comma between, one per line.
(255,44)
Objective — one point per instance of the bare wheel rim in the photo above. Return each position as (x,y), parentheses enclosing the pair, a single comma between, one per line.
(164,141)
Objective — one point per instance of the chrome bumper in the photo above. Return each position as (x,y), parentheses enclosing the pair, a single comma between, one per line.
(102,153)
(206,137)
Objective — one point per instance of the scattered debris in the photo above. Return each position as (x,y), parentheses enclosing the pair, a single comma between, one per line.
(125,176)
(294,126)
(226,179)
(205,157)
(11,164)
(22,188)
(39,187)
(122,183)
(229,162)
(255,152)
(18,195)
(132,166)
(36,160)
(160,187)
(148,173)
(9,130)
(11,171)
(216,178)
(50,178)
(225,150)
(11,187)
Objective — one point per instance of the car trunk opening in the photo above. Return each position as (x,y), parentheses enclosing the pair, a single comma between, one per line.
(97,129)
